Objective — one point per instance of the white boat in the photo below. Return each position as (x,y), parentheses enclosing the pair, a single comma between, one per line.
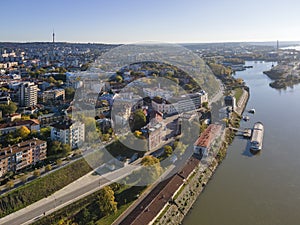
(246,118)
(257,137)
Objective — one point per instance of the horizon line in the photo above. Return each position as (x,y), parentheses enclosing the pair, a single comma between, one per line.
(115,43)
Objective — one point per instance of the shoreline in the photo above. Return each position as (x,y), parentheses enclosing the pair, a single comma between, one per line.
(189,193)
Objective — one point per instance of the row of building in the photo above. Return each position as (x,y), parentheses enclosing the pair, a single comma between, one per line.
(16,157)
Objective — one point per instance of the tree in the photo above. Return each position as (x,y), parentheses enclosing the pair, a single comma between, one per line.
(55,147)
(37,173)
(119,79)
(48,168)
(66,149)
(106,201)
(45,133)
(69,92)
(10,184)
(151,169)
(8,109)
(23,132)
(149,160)
(139,120)
(58,162)
(168,150)
(24,178)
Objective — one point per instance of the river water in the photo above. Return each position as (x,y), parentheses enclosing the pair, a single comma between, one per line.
(263,189)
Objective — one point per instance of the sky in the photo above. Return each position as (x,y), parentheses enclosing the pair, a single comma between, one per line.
(129,21)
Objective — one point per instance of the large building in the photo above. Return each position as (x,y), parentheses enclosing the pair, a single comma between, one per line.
(17,157)
(154,92)
(154,132)
(180,104)
(6,128)
(68,132)
(27,94)
(207,139)
(53,95)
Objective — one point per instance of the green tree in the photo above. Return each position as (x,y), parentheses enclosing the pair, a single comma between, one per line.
(149,160)
(106,201)
(54,148)
(8,109)
(69,93)
(139,120)
(45,133)
(168,150)
(66,149)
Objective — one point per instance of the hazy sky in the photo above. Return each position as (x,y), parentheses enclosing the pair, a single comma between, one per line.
(125,21)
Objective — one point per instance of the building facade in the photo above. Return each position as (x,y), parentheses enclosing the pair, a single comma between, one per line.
(53,95)
(207,139)
(27,94)
(17,157)
(69,132)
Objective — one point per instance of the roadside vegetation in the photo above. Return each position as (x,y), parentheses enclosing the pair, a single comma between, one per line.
(42,187)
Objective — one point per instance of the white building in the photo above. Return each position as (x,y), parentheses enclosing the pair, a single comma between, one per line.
(27,94)
(68,132)
(154,92)
(180,104)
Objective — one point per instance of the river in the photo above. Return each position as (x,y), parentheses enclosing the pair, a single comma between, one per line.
(263,189)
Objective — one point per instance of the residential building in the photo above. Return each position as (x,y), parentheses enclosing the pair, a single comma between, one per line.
(154,132)
(180,104)
(5,100)
(69,132)
(154,92)
(32,124)
(27,94)
(17,157)
(53,95)
(207,139)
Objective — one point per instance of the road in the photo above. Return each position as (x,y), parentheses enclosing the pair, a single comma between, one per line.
(71,193)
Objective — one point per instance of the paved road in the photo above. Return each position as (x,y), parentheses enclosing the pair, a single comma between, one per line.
(65,196)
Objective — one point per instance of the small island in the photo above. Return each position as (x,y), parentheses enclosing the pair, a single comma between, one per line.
(285,74)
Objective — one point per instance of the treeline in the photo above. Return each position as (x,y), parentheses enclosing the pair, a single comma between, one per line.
(42,187)
(220,70)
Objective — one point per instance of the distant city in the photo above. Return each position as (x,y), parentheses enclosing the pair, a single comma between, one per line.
(53,112)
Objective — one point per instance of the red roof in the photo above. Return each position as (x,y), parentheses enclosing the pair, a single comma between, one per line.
(208,135)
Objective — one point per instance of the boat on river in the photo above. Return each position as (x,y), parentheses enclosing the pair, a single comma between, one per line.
(251,111)
(257,137)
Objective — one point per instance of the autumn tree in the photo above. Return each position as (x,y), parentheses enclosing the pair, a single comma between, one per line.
(151,169)
(23,132)
(168,150)
(106,201)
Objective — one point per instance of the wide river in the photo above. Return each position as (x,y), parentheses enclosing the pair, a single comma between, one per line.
(263,189)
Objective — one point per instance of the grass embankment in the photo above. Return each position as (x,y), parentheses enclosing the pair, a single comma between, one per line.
(42,187)
(86,211)
(238,92)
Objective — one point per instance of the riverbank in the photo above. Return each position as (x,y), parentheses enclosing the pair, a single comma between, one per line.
(186,195)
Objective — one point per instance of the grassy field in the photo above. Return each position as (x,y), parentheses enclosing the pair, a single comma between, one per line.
(238,92)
